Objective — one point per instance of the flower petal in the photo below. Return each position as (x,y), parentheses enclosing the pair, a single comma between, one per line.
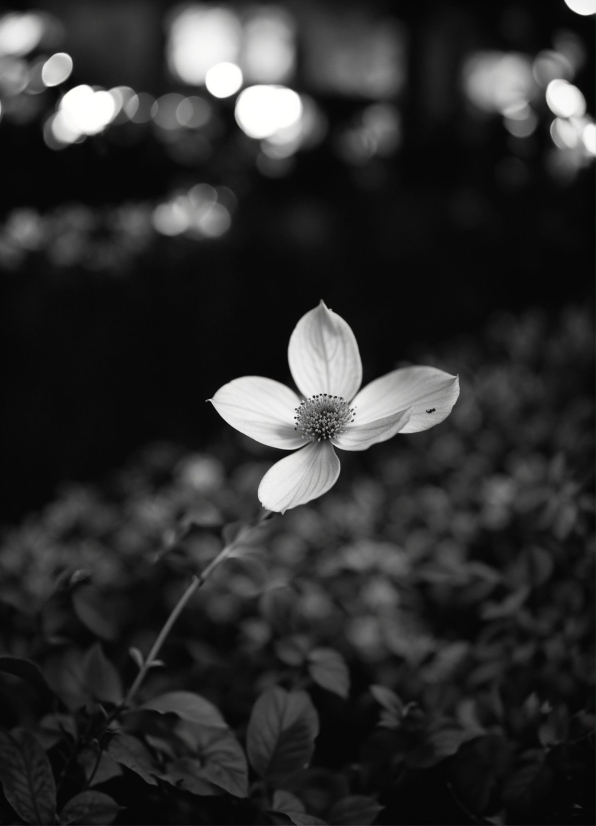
(429,393)
(262,409)
(300,477)
(323,355)
(362,436)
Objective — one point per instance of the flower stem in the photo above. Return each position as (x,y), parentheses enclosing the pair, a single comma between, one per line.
(195,584)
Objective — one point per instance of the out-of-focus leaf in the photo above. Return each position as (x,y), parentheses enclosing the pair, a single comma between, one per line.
(281,733)
(507,608)
(555,728)
(27,777)
(355,810)
(318,789)
(101,679)
(392,706)
(292,650)
(188,706)
(27,670)
(186,773)
(328,668)
(436,747)
(278,606)
(478,769)
(90,608)
(529,788)
(137,656)
(54,727)
(64,673)
(284,801)
(223,762)
(93,808)
(107,768)
(130,752)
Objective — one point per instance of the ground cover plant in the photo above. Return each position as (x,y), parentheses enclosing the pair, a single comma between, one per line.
(416,646)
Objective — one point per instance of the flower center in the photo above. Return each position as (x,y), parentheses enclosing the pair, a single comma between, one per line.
(323,416)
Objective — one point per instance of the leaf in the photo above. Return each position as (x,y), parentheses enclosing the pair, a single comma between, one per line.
(279,606)
(388,699)
(436,747)
(328,668)
(188,706)
(92,808)
(392,707)
(132,753)
(223,762)
(281,733)
(64,673)
(137,656)
(101,679)
(107,768)
(507,608)
(27,671)
(90,607)
(186,773)
(303,819)
(529,788)
(54,727)
(477,769)
(26,777)
(355,810)
(286,802)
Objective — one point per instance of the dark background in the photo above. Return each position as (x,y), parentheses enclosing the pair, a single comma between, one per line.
(412,248)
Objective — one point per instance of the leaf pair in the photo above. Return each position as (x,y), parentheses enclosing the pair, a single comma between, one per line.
(30,788)
(220,764)
(281,733)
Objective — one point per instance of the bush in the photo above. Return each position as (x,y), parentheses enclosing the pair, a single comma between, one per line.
(414,647)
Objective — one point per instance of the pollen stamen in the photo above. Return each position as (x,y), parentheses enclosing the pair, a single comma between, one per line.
(323,416)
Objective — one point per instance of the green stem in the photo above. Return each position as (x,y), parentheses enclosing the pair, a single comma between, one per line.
(195,584)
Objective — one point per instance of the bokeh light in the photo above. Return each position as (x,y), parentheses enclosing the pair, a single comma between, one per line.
(551,65)
(589,138)
(57,69)
(83,111)
(570,45)
(269,51)
(494,81)
(200,37)
(58,132)
(583,7)
(20,33)
(14,75)
(164,110)
(194,112)
(261,111)
(121,95)
(564,99)
(564,134)
(139,107)
(170,218)
(223,80)
(520,120)
(201,213)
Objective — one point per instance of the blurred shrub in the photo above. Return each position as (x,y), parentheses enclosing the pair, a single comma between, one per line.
(452,571)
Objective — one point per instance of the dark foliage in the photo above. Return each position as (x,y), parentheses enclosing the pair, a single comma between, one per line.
(421,637)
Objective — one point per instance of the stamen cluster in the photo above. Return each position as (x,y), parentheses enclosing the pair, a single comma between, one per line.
(323,416)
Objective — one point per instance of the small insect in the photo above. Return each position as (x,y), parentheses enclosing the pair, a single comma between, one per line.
(432,410)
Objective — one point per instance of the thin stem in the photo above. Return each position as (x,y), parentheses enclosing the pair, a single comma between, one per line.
(89,780)
(195,584)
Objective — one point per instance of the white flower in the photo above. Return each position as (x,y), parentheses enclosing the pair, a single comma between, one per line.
(325,364)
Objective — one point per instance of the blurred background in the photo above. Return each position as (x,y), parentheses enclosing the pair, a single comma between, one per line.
(181,182)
